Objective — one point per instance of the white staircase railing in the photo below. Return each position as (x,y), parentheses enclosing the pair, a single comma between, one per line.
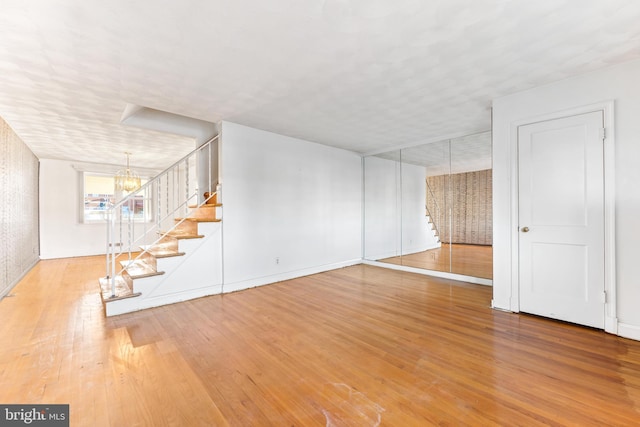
(145,216)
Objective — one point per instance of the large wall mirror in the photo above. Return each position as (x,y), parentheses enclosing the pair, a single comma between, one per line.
(429,206)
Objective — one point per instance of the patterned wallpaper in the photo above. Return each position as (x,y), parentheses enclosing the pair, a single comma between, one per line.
(19,239)
(470,200)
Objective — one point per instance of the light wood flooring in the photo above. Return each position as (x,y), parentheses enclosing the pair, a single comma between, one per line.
(469,260)
(359,346)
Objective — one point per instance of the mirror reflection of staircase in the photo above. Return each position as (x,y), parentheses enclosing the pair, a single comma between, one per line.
(434,227)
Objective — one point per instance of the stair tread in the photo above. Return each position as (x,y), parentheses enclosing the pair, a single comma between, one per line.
(164,253)
(122,290)
(199,219)
(138,269)
(162,250)
(212,205)
(181,234)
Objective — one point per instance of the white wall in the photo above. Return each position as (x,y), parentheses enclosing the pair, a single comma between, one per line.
(61,233)
(382,225)
(286,199)
(618,83)
(416,230)
(395,219)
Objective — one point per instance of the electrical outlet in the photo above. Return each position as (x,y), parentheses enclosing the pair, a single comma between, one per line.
(277,260)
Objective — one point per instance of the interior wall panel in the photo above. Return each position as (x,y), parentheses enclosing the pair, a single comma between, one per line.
(19,239)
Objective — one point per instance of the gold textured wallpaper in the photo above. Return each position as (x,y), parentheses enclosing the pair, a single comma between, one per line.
(19,239)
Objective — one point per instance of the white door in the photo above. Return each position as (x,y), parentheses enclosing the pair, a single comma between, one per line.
(561,219)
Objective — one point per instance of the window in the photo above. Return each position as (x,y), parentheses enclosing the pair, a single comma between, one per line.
(99,196)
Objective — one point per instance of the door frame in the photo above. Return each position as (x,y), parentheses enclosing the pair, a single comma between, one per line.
(607,108)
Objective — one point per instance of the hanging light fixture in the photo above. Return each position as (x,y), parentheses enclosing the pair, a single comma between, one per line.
(125,180)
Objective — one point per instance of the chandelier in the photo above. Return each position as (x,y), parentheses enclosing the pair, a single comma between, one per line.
(125,180)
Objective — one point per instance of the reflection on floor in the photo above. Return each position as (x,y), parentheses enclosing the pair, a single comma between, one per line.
(470,260)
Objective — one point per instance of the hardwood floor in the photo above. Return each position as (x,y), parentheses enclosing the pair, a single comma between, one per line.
(359,346)
(469,260)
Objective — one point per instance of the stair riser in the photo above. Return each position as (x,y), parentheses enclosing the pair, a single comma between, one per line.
(150,260)
(211,200)
(170,241)
(162,248)
(190,227)
(208,212)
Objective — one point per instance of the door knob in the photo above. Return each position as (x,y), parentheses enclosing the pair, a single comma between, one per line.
(525,229)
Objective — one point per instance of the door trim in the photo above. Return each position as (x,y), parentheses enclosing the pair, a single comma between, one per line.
(607,108)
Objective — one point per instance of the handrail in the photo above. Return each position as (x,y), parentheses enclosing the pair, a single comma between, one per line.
(171,191)
(436,207)
(166,171)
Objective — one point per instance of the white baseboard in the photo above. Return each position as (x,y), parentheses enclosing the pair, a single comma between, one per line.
(499,307)
(406,251)
(629,331)
(260,281)
(383,255)
(442,274)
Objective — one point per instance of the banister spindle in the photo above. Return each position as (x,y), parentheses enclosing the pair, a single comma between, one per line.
(130,227)
(168,208)
(186,194)
(159,207)
(209,167)
(113,258)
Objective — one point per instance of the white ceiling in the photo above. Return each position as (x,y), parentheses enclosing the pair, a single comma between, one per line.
(364,75)
(466,154)
(457,155)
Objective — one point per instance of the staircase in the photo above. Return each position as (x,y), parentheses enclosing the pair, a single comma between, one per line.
(434,227)
(174,257)
(435,215)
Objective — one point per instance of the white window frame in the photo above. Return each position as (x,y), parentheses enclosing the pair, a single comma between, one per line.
(117,196)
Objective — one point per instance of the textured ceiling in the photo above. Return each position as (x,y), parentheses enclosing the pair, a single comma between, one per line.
(364,75)
(456,155)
